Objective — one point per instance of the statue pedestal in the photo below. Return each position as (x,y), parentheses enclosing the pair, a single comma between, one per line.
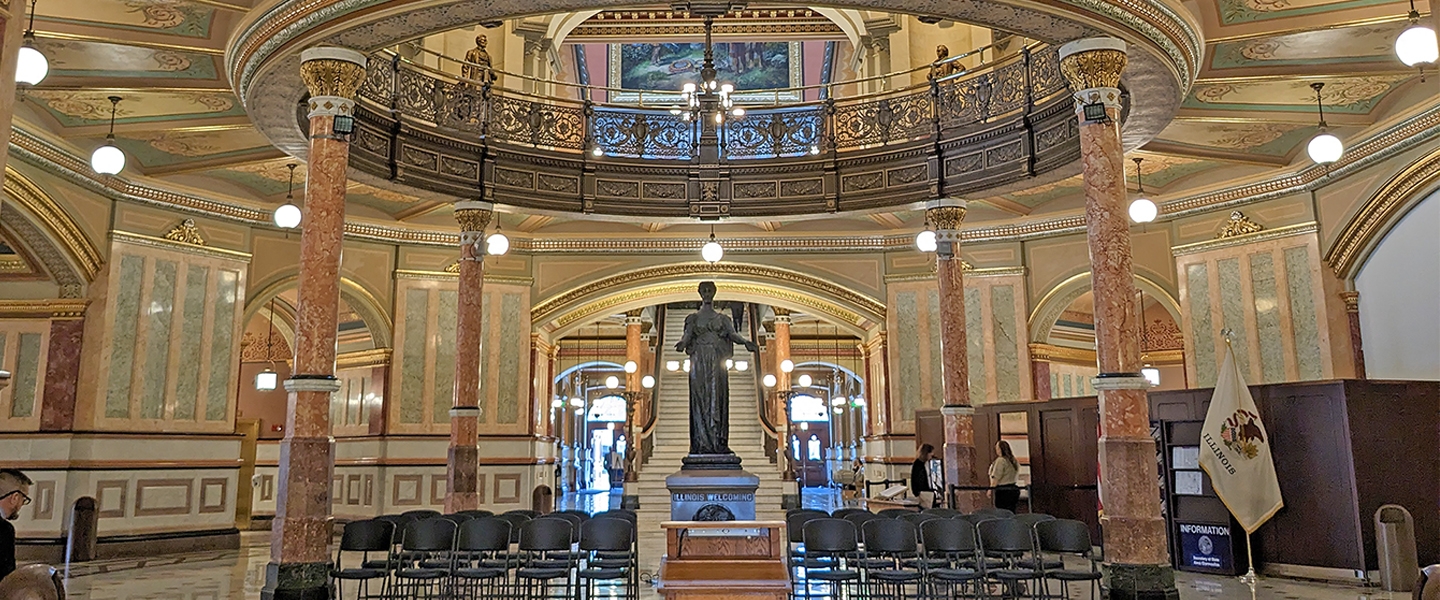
(712,494)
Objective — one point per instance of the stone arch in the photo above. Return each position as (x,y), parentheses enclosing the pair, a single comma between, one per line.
(55,240)
(377,320)
(561,314)
(1047,310)
(1381,212)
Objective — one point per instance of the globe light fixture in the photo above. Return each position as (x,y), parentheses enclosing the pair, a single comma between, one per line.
(1324,148)
(612,382)
(577,402)
(839,411)
(631,367)
(805,380)
(1416,46)
(1151,374)
(647,381)
(786,366)
(857,402)
(1142,210)
(838,400)
(729,364)
(108,159)
(711,251)
(685,365)
(742,365)
(497,244)
(557,403)
(925,240)
(769,380)
(287,216)
(265,381)
(672,365)
(31,66)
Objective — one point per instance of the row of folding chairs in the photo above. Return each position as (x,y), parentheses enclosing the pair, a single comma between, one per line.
(936,557)
(508,556)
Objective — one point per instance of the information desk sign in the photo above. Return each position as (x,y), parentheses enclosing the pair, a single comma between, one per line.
(1208,548)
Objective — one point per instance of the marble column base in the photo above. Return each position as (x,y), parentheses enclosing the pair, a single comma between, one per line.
(464,465)
(1138,582)
(790,494)
(296,581)
(630,497)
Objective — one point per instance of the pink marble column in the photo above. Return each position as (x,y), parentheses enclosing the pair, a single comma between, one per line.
(62,374)
(1137,563)
(958,415)
(1357,347)
(300,538)
(1040,371)
(463,462)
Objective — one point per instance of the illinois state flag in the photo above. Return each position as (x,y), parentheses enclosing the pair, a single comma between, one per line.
(1235,451)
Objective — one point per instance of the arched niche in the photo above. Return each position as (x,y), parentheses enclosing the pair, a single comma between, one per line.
(360,300)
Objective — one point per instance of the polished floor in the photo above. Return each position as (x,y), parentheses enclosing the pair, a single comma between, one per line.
(237,574)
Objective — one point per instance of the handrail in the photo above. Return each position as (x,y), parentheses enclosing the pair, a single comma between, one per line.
(759,92)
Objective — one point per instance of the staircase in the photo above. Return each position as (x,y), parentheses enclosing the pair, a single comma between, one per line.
(672,439)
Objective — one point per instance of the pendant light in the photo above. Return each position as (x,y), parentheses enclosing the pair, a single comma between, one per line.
(497,244)
(108,159)
(1324,148)
(711,251)
(31,67)
(1142,210)
(265,381)
(925,240)
(1416,46)
(287,216)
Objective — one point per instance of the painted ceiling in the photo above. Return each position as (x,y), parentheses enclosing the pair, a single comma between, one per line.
(1250,112)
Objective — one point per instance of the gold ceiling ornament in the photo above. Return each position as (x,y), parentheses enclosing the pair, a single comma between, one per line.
(1238,225)
(186,232)
(453,267)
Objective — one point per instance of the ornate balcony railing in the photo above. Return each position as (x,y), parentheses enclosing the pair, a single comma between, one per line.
(983,127)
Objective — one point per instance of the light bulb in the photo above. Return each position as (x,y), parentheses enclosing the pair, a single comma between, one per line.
(612,382)
(672,365)
(742,365)
(712,252)
(839,411)
(738,112)
(287,216)
(577,402)
(596,151)
(729,363)
(557,403)
(497,244)
(685,117)
(787,366)
(107,159)
(686,365)
(1143,210)
(265,380)
(769,380)
(719,118)
(688,88)
(814,150)
(647,381)
(925,241)
(1325,148)
(631,367)
(805,380)
(1152,375)
(31,66)
(838,400)
(857,402)
(726,89)
(1415,46)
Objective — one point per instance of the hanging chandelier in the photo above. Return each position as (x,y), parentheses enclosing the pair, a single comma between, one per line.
(1324,148)
(265,381)
(709,98)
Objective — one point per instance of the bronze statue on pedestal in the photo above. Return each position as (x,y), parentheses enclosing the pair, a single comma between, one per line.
(709,340)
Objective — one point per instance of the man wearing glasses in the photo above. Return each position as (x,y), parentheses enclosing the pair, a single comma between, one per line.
(14,494)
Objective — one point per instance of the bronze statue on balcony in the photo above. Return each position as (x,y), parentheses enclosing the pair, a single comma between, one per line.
(709,340)
(939,69)
(478,65)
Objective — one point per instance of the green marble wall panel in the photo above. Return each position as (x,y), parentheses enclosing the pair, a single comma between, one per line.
(1267,317)
(2,349)
(1069,386)
(937,351)
(1054,384)
(1197,283)
(157,339)
(222,344)
(412,375)
(1232,311)
(907,335)
(975,345)
(25,382)
(1007,353)
(122,346)
(192,335)
(507,409)
(484,353)
(1303,319)
(443,393)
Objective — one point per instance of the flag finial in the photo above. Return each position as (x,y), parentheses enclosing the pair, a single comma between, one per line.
(1226,333)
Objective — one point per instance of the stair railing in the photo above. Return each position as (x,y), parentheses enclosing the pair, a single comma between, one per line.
(772,433)
(647,438)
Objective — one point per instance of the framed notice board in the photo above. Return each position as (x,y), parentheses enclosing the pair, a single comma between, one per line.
(1203,536)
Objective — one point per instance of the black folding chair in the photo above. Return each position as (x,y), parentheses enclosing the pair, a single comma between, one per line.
(889,569)
(842,513)
(582,515)
(954,566)
(427,557)
(546,562)
(364,537)
(482,559)
(861,518)
(994,513)
(944,513)
(795,535)
(533,514)
(917,518)
(1030,520)
(1010,541)
(831,546)
(420,514)
(1067,537)
(476,514)
(606,549)
(895,513)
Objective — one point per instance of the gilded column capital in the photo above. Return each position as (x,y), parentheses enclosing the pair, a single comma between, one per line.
(1352,301)
(333,75)
(473,216)
(1092,67)
(945,215)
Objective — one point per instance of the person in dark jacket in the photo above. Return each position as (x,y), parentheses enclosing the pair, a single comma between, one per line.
(920,477)
(14,494)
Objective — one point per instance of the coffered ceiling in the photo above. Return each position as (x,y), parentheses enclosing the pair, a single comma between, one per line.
(1251,111)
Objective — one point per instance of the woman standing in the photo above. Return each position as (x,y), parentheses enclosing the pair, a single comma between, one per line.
(1003,473)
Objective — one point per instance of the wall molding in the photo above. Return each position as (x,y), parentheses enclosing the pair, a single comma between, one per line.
(1364,230)
(1263,235)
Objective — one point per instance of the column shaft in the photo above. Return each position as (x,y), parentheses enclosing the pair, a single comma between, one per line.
(958,415)
(463,458)
(1357,346)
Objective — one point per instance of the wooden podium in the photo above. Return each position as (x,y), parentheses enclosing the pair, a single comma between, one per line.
(727,559)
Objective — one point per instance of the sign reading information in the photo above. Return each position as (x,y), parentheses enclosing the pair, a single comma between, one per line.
(1206,548)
